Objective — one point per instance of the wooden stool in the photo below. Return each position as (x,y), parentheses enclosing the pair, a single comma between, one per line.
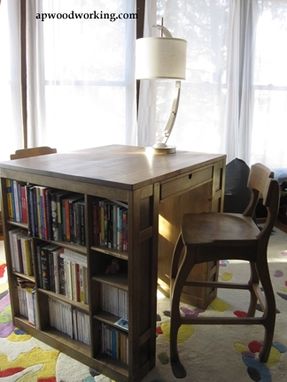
(220,236)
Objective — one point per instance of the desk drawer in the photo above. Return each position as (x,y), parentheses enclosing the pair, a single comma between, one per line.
(185,182)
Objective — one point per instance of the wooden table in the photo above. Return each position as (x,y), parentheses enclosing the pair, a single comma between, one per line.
(158,190)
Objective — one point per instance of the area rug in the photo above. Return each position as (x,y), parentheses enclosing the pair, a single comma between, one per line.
(216,353)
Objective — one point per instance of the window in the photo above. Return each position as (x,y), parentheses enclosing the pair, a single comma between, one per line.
(81,73)
(269,135)
(10,93)
(234,98)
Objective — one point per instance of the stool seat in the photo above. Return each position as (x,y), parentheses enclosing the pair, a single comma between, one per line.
(218,228)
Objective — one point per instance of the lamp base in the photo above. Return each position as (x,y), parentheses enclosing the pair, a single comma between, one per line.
(163,148)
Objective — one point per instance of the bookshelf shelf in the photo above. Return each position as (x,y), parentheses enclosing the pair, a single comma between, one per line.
(101,224)
(25,277)
(119,281)
(23,323)
(17,224)
(73,247)
(57,296)
(62,339)
(114,364)
(107,318)
(114,253)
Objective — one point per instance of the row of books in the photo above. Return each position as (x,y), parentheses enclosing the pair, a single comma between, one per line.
(110,222)
(63,271)
(114,343)
(17,201)
(21,247)
(56,215)
(114,300)
(69,321)
(60,216)
(26,298)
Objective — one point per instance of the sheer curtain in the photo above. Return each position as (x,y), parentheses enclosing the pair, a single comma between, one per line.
(239,107)
(81,76)
(10,88)
(269,135)
(234,97)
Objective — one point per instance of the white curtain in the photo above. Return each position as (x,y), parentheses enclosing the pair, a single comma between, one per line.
(80,75)
(269,134)
(233,100)
(10,81)
(239,105)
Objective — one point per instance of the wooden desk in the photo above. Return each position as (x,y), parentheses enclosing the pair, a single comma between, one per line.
(158,190)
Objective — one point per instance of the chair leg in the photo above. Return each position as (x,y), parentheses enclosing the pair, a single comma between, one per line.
(269,311)
(175,320)
(253,281)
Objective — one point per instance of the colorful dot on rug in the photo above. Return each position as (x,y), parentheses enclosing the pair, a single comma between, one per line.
(255,368)
(163,358)
(240,313)
(185,331)
(2,270)
(18,336)
(219,305)
(190,313)
(278,273)
(280,347)
(274,357)
(255,346)
(226,276)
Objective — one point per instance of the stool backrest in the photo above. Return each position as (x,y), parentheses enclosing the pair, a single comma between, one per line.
(258,183)
(32,152)
(263,186)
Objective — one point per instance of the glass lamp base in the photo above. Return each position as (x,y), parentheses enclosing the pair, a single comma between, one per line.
(163,148)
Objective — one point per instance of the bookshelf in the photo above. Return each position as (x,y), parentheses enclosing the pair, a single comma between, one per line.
(86,242)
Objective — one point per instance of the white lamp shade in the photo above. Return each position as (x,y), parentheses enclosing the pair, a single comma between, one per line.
(160,57)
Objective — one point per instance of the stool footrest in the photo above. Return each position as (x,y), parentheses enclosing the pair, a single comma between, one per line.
(223,320)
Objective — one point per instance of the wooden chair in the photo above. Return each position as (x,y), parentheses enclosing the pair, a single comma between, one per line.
(32,152)
(219,236)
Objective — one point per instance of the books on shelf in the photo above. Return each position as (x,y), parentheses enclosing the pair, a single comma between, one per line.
(56,215)
(114,300)
(122,323)
(17,201)
(69,320)
(76,276)
(26,298)
(110,223)
(48,217)
(114,343)
(21,248)
(63,271)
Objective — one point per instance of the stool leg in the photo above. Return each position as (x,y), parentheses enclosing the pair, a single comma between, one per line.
(269,311)
(175,320)
(175,260)
(253,281)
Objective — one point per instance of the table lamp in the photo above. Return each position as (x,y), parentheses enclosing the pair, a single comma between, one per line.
(162,57)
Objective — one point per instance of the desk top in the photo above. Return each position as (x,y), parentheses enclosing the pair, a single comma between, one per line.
(128,167)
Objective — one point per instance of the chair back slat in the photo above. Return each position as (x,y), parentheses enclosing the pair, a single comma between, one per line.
(259,179)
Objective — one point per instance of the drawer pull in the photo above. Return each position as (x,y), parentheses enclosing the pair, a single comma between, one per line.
(189,176)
